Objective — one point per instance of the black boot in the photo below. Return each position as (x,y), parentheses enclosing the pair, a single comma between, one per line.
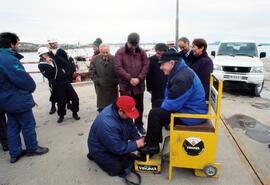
(15,159)
(4,146)
(75,116)
(39,151)
(60,119)
(147,149)
(53,109)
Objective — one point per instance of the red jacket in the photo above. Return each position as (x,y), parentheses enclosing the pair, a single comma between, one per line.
(131,64)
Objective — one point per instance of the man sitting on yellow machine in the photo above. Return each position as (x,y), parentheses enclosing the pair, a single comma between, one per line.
(184,93)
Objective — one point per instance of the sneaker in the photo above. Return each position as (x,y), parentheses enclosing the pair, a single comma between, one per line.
(75,116)
(15,159)
(141,130)
(39,151)
(60,119)
(53,110)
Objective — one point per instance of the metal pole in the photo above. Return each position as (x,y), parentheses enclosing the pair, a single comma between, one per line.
(177,22)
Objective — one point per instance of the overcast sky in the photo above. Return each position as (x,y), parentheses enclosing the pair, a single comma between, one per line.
(112,20)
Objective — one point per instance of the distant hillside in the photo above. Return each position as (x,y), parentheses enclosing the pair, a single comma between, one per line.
(28,47)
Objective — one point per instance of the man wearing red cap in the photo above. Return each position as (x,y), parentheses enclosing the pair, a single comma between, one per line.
(113,136)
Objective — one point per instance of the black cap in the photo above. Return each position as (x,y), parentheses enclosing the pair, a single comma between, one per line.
(133,38)
(169,55)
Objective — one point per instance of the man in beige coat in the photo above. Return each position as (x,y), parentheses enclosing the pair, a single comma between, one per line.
(104,77)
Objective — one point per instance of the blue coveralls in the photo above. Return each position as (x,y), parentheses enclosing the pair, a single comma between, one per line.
(16,88)
(111,141)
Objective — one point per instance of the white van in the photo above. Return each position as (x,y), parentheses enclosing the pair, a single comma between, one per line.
(239,61)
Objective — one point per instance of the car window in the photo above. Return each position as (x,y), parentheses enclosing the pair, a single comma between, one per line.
(238,49)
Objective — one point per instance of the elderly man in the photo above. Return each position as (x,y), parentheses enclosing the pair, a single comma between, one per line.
(186,52)
(113,136)
(16,88)
(156,80)
(131,66)
(104,77)
(183,94)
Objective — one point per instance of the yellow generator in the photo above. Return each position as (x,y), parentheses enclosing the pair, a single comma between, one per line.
(195,146)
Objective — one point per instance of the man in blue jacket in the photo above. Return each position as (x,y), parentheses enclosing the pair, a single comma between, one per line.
(184,93)
(16,88)
(113,136)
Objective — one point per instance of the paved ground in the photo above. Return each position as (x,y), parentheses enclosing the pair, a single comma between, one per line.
(66,163)
(253,116)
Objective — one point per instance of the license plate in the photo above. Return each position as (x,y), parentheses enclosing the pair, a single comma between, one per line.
(234,77)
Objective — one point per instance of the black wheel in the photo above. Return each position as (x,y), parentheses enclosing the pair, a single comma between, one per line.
(210,170)
(256,89)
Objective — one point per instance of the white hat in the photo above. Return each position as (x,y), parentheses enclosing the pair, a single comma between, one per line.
(43,50)
(52,40)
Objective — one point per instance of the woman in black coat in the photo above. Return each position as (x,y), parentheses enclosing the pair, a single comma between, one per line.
(202,64)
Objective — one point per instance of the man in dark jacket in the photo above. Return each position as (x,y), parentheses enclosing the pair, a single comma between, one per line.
(16,88)
(113,136)
(56,75)
(202,64)
(3,131)
(186,52)
(155,79)
(183,94)
(131,66)
(104,77)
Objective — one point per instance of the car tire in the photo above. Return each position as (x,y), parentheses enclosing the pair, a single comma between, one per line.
(256,89)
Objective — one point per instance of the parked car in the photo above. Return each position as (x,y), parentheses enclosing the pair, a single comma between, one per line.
(238,61)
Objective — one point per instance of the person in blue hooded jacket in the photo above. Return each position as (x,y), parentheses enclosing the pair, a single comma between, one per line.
(184,93)
(16,88)
(113,137)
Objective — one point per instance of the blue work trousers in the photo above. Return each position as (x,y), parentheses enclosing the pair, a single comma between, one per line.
(26,123)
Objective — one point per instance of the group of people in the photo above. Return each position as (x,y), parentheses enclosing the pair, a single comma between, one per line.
(59,69)
(177,81)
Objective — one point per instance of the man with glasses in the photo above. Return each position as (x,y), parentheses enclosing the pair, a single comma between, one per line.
(131,66)
(186,52)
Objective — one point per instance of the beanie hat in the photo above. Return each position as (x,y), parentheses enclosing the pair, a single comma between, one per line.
(133,38)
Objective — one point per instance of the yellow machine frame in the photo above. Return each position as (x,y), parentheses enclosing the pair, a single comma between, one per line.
(204,160)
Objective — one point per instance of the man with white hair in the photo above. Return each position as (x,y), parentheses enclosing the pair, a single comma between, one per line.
(104,77)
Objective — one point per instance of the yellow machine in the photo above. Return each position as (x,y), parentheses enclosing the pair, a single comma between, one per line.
(195,146)
(192,146)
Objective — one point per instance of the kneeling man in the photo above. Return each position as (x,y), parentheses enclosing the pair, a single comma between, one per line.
(113,136)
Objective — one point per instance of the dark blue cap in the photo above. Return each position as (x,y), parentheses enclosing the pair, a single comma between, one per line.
(169,55)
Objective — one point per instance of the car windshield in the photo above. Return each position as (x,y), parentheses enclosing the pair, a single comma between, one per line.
(238,49)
